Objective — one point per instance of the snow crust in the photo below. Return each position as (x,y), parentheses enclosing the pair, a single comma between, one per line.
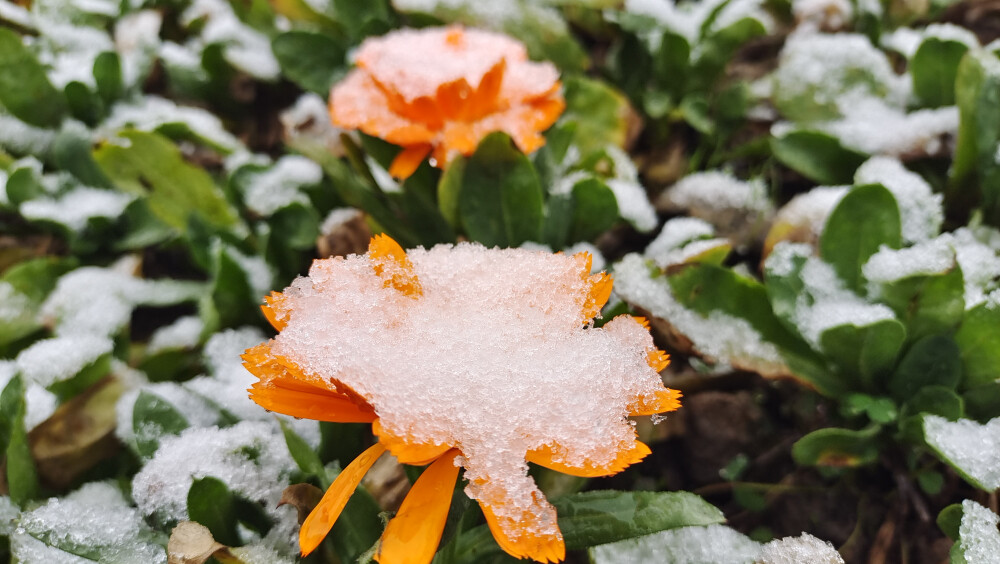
(686,19)
(76,207)
(95,518)
(719,336)
(714,544)
(52,360)
(738,209)
(972,447)
(250,457)
(920,209)
(979,538)
(824,302)
(890,265)
(280,186)
(796,550)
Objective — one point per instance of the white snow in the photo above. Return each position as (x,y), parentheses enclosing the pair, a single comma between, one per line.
(181,334)
(249,457)
(971,447)
(338,217)
(714,544)
(924,259)
(719,337)
(822,14)
(23,139)
(308,128)
(95,518)
(797,550)
(137,39)
(872,126)
(14,305)
(738,209)
(920,209)
(824,302)
(268,191)
(99,301)
(687,18)
(75,208)
(149,113)
(811,209)
(40,403)
(60,358)
(245,48)
(979,262)
(69,51)
(978,536)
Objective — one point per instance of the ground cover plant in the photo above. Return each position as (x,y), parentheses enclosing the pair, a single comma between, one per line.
(451,281)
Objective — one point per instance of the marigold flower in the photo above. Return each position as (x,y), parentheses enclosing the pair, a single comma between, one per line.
(443,90)
(462,356)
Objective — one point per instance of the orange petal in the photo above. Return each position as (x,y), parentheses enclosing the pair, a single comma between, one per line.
(600,291)
(641,321)
(392,265)
(284,389)
(320,521)
(272,306)
(544,456)
(657,359)
(408,451)
(483,100)
(541,548)
(658,402)
(407,161)
(453,98)
(357,102)
(413,535)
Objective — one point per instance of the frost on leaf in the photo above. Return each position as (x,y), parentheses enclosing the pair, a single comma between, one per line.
(971,448)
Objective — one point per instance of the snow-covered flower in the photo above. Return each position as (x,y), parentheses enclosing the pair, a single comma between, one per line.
(443,90)
(462,356)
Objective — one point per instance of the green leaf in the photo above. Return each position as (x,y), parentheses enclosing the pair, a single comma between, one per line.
(978,339)
(152,419)
(24,184)
(927,305)
(866,353)
(706,287)
(595,210)
(599,111)
(108,77)
(30,282)
(817,156)
(950,519)
(449,189)
(210,503)
(982,403)
(232,299)
(599,517)
(152,166)
(25,90)
(501,200)
(22,479)
(314,61)
(975,175)
(837,447)
(933,68)
(88,376)
(878,409)
(931,361)
(72,152)
(84,105)
(865,219)
(303,455)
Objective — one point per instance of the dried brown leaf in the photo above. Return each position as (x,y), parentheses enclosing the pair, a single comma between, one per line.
(303,497)
(193,543)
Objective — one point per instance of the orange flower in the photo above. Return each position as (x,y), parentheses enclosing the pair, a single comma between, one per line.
(462,356)
(443,90)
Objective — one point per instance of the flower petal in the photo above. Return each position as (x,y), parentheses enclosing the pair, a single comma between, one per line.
(406,450)
(546,456)
(414,533)
(272,308)
(658,402)
(320,521)
(283,388)
(392,265)
(541,548)
(407,161)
